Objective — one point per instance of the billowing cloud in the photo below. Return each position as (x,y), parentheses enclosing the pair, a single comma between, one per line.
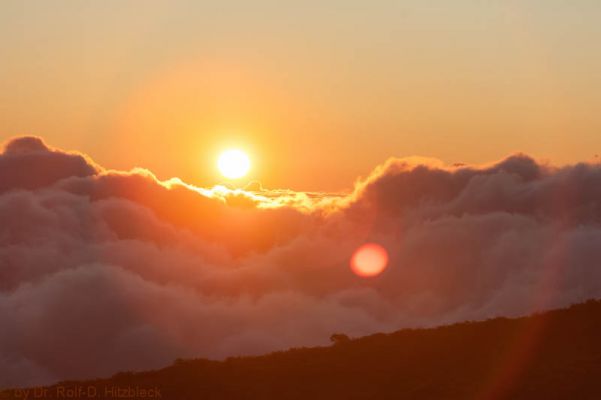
(102,271)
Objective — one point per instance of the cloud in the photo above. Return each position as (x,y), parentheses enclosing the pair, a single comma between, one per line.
(27,163)
(102,271)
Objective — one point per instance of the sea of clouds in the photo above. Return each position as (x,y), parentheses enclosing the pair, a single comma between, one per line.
(104,271)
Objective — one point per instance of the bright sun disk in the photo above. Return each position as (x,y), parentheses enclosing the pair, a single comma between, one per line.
(233,164)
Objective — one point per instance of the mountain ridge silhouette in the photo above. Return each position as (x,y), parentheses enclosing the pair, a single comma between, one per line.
(550,355)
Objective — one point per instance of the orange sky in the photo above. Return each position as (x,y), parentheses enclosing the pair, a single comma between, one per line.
(317,93)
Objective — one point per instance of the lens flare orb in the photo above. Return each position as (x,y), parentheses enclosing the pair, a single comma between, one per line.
(369,260)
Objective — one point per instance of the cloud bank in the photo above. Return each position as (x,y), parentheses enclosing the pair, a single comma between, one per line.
(103,271)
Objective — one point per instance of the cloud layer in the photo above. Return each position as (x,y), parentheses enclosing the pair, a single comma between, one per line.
(102,271)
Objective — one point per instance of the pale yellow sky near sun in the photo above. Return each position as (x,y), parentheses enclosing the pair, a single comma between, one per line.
(317,93)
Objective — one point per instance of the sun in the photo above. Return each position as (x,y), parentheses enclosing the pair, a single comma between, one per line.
(233,164)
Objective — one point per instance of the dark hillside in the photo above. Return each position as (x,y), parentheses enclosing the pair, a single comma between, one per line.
(555,355)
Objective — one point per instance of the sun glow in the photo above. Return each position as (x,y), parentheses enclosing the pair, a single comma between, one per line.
(233,164)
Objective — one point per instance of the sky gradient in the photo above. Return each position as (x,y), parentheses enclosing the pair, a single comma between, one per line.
(317,92)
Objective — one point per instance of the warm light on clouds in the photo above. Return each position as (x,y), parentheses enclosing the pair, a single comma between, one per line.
(163,269)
